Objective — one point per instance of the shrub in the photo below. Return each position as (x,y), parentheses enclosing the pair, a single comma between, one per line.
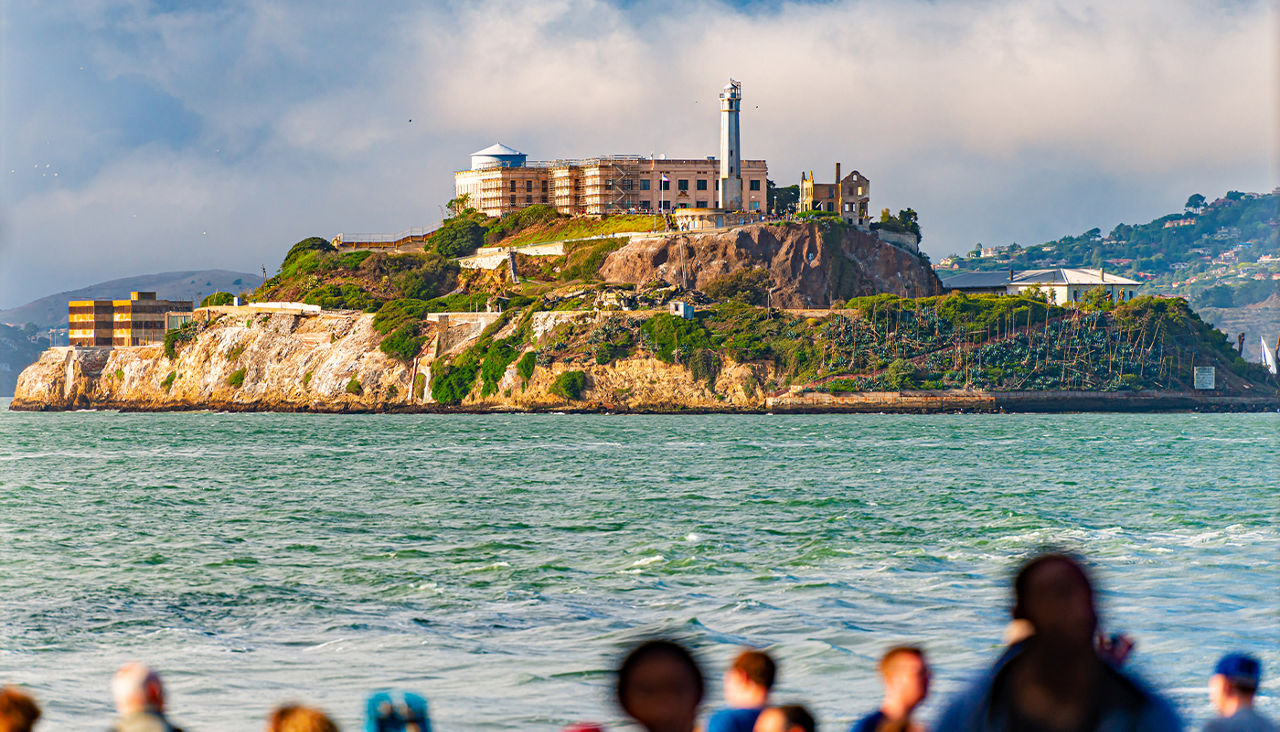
(181,334)
(750,286)
(306,378)
(236,378)
(457,237)
(496,360)
(168,380)
(310,244)
(235,353)
(393,391)
(525,365)
(217,298)
(901,374)
(353,387)
(570,385)
(419,386)
(668,335)
(342,297)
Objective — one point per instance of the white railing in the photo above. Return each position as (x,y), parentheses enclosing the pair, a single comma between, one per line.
(381,238)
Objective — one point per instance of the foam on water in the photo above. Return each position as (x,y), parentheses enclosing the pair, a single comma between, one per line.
(500,564)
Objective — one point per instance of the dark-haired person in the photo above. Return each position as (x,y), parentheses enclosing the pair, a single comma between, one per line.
(746,692)
(1056,679)
(660,686)
(905,675)
(18,712)
(1231,690)
(786,718)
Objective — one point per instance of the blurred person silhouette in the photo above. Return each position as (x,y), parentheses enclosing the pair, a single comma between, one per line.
(746,692)
(18,711)
(905,676)
(660,686)
(139,698)
(1232,687)
(396,711)
(297,718)
(785,718)
(1056,679)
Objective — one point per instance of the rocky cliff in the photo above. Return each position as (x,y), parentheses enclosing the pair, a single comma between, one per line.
(812,264)
(331,363)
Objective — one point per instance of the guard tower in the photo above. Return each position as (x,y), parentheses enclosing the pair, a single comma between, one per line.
(730,147)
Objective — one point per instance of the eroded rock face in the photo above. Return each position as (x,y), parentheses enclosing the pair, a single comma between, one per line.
(809,269)
(287,362)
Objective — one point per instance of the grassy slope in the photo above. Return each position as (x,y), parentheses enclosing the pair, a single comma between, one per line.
(579,228)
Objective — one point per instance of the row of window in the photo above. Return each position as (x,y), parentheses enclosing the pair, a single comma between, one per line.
(645,185)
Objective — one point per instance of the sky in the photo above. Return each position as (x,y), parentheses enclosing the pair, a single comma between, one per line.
(140,137)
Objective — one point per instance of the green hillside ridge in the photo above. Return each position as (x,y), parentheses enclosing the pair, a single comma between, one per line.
(1208,252)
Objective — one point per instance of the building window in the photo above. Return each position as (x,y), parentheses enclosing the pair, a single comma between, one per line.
(683,184)
(755,185)
(859,190)
(666,185)
(544,186)
(528,199)
(645,183)
(513,186)
(528,185)
(755,205)
(644,205)
(684,204)
(513,198)
(666,205)
(544,198)
(701,204)
(702,185)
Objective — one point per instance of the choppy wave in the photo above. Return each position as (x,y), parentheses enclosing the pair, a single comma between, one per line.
(501,564)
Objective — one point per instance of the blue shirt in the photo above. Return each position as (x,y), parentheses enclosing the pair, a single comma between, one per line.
(733,720)
(868,723)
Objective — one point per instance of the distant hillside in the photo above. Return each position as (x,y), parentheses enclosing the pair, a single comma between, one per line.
(19,347)
(1220,253)
(51,311)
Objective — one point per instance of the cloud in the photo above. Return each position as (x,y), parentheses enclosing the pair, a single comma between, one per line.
(997,120)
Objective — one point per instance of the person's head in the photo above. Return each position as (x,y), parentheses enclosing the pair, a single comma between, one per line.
(749,679)
(136,688)
(18,712)
(660,686)
(297,718)
(396,711)
(1054,594)
(1234,682)
(905,674)
(786,718)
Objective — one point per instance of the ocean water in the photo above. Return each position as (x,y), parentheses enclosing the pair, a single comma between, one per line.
(501,564)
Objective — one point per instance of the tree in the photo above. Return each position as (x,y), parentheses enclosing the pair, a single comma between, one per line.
(909,221)
(457,237)
(459,206)
(781,200)
(1097,298)
(1195,203)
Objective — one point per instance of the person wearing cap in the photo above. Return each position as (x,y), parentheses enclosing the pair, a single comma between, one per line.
(1231,689)
(390,710)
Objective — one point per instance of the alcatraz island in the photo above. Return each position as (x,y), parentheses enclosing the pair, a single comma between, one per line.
(627,283)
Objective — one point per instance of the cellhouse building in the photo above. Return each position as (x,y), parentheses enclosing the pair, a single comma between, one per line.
(502,180)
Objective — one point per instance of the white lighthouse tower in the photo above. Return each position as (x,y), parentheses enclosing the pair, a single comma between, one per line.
(730,147)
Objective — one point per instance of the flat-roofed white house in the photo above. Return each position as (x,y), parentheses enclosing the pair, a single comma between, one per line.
(1061,285)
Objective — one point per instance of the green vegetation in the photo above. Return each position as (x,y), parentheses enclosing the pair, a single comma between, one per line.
(353,387)
(119,374)
(457,237)
(781,200)
(959,341)
(583,261)
(419,386)
(342,297)
(217,298)
(750,286)
(181,334)
(236,378)
(525,365)
(563,229)
(1206,245)
(570,385)
(306,379)
(906,222)
(168,380)
(393,391)
(235,353)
